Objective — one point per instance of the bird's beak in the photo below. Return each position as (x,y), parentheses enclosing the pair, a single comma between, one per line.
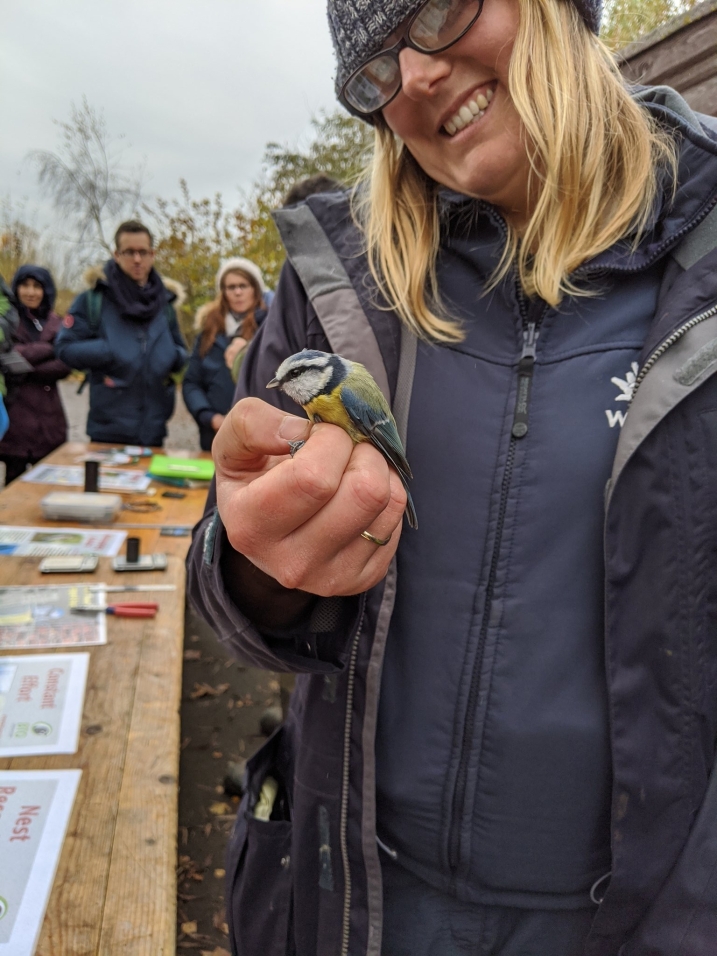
(274,383)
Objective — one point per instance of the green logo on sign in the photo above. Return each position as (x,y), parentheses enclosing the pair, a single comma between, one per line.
(3,907)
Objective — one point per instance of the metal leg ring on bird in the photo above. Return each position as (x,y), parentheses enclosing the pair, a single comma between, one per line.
(294,446)
(374,540)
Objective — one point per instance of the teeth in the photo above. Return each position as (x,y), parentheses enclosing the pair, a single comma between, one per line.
(470,111)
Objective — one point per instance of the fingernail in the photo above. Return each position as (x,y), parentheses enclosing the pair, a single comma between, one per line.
(293,428)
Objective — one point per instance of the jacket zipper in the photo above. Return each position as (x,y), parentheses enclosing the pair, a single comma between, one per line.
(346,922)
(519,429)
(670,341)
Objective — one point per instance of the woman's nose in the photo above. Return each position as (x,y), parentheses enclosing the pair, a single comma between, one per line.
(421,74)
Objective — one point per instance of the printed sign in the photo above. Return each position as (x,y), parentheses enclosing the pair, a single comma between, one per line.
(41,542)
(35,808)
(73,476)
(41,701)
(39,617)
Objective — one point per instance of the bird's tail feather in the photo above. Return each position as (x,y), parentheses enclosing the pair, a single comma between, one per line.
(411,515)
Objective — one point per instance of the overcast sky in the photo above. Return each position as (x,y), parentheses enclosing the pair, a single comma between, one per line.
(198,87)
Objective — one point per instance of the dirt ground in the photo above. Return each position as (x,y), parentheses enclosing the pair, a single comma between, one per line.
(222,704)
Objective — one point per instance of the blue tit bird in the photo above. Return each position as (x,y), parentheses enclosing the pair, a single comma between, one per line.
(333,389)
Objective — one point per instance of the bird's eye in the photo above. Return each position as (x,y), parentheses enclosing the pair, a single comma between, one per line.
(295,372)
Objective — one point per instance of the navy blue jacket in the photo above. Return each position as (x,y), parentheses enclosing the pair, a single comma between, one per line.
(129,365)
(496,544)
(208,387)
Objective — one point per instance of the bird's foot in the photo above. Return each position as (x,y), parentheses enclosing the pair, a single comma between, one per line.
(294,446)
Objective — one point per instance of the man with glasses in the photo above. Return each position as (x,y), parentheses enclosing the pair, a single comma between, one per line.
(123,331)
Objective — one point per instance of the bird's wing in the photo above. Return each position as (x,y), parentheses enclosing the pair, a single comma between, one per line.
(372,418)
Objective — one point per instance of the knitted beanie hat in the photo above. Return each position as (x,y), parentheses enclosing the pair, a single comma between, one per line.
(246,265)
(359,28)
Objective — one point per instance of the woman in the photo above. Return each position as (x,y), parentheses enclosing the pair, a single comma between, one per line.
(227,325)
(37,417)
(501,742)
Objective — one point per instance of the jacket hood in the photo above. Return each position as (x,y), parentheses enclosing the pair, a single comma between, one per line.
(41,275)
(95,275)
(681,205)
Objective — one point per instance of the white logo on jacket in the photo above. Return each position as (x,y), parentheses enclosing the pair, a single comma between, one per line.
(627,390)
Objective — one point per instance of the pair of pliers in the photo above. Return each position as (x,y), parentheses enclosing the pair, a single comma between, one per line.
(145,609)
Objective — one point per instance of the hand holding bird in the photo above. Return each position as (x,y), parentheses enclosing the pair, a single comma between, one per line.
(300,519)
(333,389)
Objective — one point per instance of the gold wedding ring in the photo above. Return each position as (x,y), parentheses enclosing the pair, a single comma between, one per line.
(374,540)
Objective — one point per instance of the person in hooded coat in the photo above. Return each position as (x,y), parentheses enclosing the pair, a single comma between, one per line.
(503,738)
(37,417)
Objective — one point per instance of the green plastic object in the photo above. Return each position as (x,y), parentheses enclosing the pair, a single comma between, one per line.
(199,469)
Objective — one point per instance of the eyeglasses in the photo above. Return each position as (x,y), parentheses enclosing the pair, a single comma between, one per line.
(131,253)
(436,25)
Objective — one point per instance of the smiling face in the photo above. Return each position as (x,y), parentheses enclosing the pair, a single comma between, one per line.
(456,116)
(30,293)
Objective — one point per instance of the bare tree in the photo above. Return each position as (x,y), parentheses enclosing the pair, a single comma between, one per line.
(86,176)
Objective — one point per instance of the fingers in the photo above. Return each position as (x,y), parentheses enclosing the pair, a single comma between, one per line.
(261,513)
(327,555)
(253,431)
(300,519)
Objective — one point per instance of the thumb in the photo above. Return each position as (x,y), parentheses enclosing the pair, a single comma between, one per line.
(254,431)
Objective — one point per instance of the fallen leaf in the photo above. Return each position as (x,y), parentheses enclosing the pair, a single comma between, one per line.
(220,809)
(208,828)
(217,754)
(197,876)
(220,874)
(189,928)
(192,655)
(219,951)
(194,639)
(206,690)
(275,686)
(225,930)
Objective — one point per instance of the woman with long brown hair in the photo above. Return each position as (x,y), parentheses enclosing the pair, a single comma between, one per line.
(226,326)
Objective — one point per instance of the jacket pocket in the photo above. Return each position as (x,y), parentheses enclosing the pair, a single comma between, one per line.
(259,865)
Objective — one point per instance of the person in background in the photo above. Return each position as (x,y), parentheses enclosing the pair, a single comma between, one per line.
(37,417)
(123,330)
(240,309)
(226,325)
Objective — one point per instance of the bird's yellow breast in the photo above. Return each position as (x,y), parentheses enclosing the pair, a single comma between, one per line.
(330,408)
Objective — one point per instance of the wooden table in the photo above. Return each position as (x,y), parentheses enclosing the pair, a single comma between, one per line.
(115,888)
(20,503)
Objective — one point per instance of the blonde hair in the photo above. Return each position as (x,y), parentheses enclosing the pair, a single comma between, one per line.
(595,164)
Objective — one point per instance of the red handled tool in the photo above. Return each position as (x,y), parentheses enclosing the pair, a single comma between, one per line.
(120,610)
